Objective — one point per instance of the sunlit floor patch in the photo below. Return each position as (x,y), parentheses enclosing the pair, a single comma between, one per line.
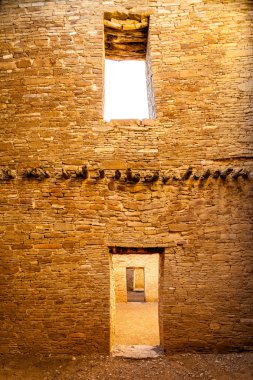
(137,324)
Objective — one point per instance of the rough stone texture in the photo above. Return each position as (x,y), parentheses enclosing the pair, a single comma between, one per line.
(125,36)
(55,232)
(137,352)
(150,263)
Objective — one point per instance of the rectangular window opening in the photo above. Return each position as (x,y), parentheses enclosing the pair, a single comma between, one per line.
(128,71)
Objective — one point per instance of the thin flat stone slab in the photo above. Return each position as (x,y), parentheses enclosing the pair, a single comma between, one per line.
(137,352)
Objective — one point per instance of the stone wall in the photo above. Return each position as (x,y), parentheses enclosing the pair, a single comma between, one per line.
(57,227)
(149,262)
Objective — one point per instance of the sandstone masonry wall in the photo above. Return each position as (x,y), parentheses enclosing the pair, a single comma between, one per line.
(56,227)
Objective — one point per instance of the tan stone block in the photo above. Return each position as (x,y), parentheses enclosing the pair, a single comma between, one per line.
(63,226)
(220,257)
(21,246)
(48,246)
(7,65)
(178,227)
(23,63)
(171,60)
(188,73)
(42,42)
(68,244)
(39,81)
(36,236)
(149,122)
(83,228)
(82,243)
(77,335)
(105,150)
(114,164)
(95,242)
(215,326)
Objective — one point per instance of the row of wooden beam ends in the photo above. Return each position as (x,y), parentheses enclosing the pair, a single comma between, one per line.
(129,177)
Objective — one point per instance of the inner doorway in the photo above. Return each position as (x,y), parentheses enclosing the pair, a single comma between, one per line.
(135,301)
(135,281)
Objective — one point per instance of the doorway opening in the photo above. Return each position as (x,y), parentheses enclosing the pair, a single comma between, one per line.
(136,276)
(135,280)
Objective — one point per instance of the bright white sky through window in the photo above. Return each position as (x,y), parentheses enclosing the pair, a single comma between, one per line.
(125,90)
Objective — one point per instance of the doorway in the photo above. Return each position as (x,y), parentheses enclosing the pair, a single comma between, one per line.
(135,296)
(135,280)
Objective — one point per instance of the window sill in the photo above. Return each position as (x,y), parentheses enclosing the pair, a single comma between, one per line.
(130,123)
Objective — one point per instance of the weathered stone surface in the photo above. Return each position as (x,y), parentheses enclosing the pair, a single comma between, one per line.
(125,35)
(137,352)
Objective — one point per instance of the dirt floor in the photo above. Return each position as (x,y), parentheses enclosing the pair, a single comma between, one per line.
(236,366)
(135,296)
(137,323)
